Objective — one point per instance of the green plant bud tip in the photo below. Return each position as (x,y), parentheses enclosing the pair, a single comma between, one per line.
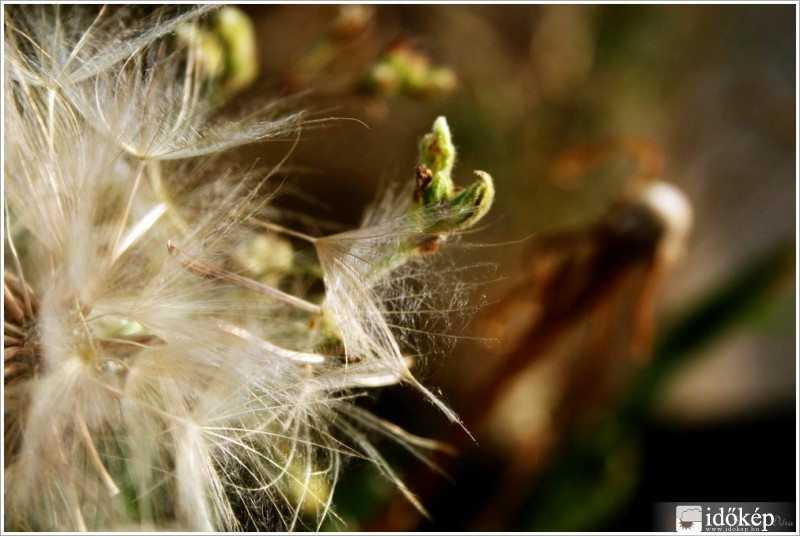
(437,151)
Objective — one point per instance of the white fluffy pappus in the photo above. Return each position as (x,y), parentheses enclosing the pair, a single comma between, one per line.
(152,380)
(382,289)
(58,45)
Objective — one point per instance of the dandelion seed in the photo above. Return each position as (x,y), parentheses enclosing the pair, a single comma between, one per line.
(194,266)
(59,45)
(168,113)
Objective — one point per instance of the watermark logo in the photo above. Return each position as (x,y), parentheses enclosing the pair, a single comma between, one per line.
(725,517)
(689,518)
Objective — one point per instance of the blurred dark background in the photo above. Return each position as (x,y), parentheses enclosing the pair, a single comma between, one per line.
(573,429)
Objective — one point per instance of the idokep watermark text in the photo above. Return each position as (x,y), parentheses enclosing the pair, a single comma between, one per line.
(725,517)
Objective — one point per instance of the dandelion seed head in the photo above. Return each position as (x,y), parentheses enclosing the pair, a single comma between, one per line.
(160,373)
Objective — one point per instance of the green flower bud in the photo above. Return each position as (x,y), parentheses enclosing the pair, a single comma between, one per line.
(225,49)
(402,70)
(436,150)
(236,31)
(472,204)
(450,208)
